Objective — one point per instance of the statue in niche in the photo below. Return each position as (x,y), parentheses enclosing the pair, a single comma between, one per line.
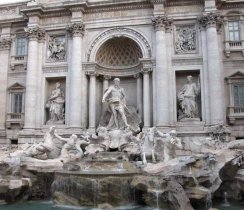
(55,105)
(56,48)
(115,97)
(187,99)
(185,40)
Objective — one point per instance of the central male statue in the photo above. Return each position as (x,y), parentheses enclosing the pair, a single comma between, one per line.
(115,97)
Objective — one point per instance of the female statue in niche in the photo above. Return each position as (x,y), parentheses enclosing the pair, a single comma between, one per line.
(187,98)
(55,104)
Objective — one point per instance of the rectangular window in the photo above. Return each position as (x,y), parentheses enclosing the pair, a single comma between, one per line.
(21,44)
(234,31)
(239,95)
(17,102)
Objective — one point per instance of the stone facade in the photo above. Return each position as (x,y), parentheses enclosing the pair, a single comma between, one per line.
(151,45)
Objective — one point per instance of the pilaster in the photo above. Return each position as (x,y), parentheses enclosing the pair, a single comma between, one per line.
(5,44)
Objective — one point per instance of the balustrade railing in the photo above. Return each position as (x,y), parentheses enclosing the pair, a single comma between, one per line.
(235,44)
(236,110)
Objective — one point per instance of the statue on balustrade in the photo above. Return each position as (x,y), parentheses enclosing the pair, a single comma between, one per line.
(55,106)
(187,100)
(119,116)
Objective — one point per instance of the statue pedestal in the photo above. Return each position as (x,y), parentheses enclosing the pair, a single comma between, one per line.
(190,120)
(190,125)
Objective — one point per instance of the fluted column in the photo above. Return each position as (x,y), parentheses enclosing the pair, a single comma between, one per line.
(5,44)
(146,98)
(77,77)
(161,23)
(92,100)
(215,72)
(105,82)
(34,34)
(139,96)
(106,78)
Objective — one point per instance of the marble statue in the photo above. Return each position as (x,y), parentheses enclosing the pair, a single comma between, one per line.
(147,144)
(55,105)
(188,107)
(56,147)
(56,49)
(51,147)
(219,132)
(115,97)
(171,143)
(72,151)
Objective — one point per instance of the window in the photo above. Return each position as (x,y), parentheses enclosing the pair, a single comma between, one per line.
(21,46)
(239,95)
(234,31)
(17,102)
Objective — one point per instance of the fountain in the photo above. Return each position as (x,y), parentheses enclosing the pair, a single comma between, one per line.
(119,166)
(226,202)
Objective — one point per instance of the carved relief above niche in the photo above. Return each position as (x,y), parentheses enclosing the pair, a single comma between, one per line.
(185,39)
(56,48)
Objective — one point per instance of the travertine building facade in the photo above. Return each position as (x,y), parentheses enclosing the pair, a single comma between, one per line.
(58,57)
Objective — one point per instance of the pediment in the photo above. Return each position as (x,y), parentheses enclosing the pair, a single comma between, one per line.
(236,75)
(16,86)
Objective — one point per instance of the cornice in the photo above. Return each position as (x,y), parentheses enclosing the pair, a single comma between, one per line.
(66,8)
(170,3)
(231,5)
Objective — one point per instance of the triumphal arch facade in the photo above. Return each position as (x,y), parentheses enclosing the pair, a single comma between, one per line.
(180,64)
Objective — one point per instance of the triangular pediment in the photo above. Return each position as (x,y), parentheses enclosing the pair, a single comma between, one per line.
(16,86)
(236,75)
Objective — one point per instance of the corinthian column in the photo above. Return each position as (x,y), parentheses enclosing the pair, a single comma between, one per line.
(5,44)
(215,72)
(161,23)
(139,94)
(106,78)
(92,100)
(146,98)
(34,34)
(77,78)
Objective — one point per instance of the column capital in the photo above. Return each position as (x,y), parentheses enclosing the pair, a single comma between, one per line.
(146,70)
(35,33)
(137,76)
(211,19)
(162,22)
(106,77)
(92,73)
(76,29)
(5,43)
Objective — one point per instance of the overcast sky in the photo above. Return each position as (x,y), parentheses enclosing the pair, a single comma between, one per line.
(9,1)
